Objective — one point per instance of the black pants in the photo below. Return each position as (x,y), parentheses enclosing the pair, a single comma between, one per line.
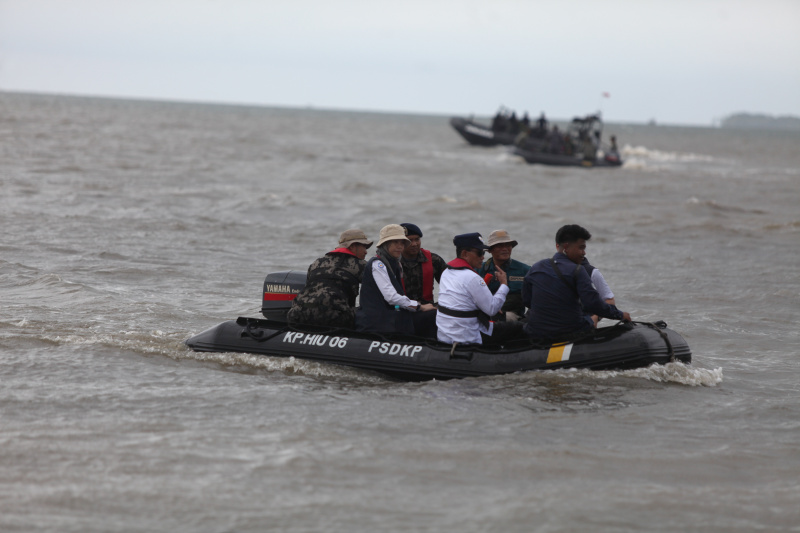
(425,323)
(502,332)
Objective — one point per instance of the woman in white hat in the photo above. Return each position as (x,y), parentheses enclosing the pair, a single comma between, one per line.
(384,306)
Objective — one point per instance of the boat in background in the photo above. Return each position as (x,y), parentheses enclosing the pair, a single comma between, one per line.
(579,146)
(480,135)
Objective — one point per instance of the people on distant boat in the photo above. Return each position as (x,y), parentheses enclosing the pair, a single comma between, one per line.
(498,123)
(560,293)
(384,306)
(541,126)
(525,122)
(420,266)
(569,145)
(332,284)
(466,303)
(555,141)
(500,247)
(513,124)
(613,151)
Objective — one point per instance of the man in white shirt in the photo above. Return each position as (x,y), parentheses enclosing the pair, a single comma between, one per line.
(465,302)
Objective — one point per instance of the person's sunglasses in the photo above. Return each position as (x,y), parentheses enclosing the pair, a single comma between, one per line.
(479,253)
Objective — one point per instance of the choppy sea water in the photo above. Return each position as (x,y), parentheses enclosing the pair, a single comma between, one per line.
(129,226)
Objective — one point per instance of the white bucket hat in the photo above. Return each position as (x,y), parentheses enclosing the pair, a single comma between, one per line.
(392,232)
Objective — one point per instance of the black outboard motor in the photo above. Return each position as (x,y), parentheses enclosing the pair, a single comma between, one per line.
(280,288)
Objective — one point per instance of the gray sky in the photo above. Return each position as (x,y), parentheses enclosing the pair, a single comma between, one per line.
(675,61)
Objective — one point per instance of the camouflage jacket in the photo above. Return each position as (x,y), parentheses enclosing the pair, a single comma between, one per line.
(329,297)
(412,274)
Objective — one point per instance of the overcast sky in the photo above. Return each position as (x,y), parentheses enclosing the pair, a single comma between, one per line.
(675,61)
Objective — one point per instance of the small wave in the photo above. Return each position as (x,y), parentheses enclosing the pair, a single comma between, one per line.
(789,226)
(447,199)
(287,365)
(154,343)
(719,207)
(657,155)
(669,373)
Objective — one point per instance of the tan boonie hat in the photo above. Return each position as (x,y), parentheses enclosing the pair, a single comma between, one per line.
(392,232)
(352,236)
(501,236)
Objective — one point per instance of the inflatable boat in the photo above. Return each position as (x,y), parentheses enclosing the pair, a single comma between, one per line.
(618,347)
(480,135)
(566,150)
(564,160)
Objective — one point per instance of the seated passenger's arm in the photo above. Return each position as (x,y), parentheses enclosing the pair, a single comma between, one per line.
(591,300)
(602,286)
(486,301)
(388,291)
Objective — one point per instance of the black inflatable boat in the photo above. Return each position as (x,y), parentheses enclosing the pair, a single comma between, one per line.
(623,346)
(564,160)
(480,135)
(577,147)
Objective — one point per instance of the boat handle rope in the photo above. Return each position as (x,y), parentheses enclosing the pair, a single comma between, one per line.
(454,355)
(657,326)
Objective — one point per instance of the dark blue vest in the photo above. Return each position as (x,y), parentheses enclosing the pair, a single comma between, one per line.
(374,314)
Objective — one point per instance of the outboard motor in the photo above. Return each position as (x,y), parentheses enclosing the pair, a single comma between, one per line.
(280,288)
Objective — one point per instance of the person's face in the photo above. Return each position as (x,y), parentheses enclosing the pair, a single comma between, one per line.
(575,251)
(412,246)
(395,248)
(359,249)
(501,253)
(473,256)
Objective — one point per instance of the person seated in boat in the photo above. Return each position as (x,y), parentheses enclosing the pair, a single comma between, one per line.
(560,294)
(513,124)
(540,131)
(500,246)
(420,266)
(466,303)
(613,151)
(598,280)
(556,141)
(569,145)
(384,306)
(588,147)
(332,283)
(499,122)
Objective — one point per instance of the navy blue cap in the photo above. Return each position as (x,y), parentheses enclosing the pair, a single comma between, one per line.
(470,240)
(412,229)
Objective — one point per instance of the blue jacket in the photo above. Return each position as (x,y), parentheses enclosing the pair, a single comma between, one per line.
(561,307)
